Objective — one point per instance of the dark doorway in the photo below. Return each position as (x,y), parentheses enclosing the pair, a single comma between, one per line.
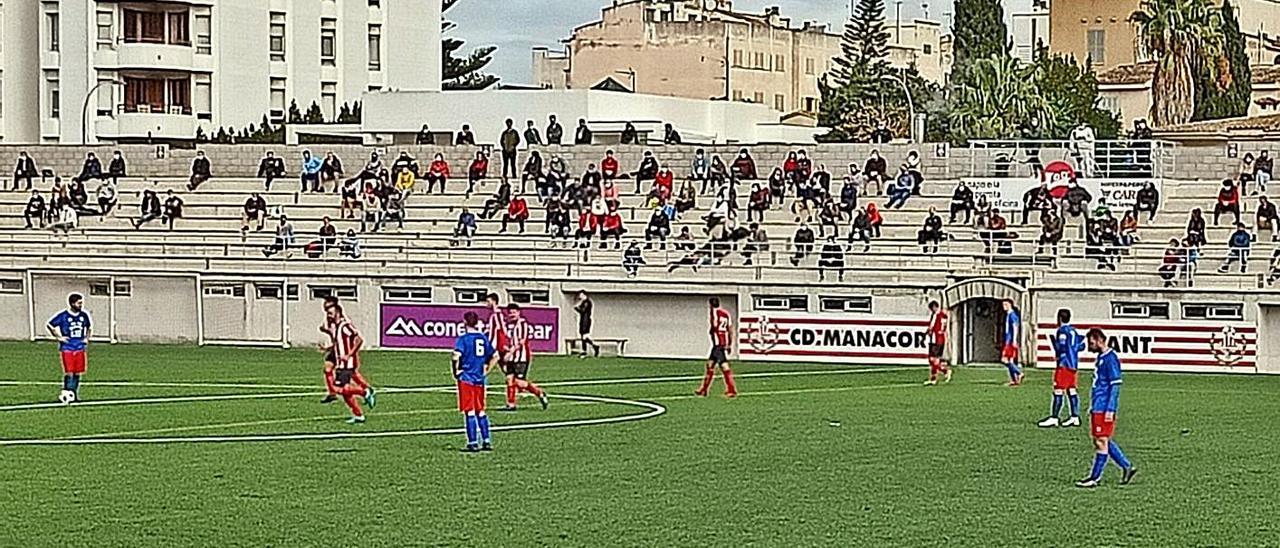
(980,331)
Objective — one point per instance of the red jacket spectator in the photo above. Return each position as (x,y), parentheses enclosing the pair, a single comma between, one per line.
(873,215)
(743,166)
(612,223)
(1229,195)
(586,222)
(609,167)
(791,166)
(441,168)
(665,182)
(518,208)
(479,167)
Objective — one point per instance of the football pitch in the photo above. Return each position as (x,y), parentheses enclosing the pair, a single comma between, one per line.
(185,446)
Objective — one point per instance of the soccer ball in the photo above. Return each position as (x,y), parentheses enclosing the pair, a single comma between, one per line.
(66,397)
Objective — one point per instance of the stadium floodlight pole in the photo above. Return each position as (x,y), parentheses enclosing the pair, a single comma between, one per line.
(911,105)
(84,111)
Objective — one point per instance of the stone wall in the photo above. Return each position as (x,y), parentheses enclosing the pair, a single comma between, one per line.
(1188,163)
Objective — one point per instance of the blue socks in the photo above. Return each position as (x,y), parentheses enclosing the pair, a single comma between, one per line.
(1057,405)
(1118,456)
(66,382)
(72,383)
(1014,371)
(1099,463)
(484,428)
(1075,404)
(471,430)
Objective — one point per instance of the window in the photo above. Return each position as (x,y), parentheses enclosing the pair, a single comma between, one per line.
(928,49)
(123,288)
(278,86)
(329,100)
(224,290)
(779,63)
(106,35)
(375,3)
(375,47)
(204,34)
(759,60)
(737,95)
(811,104)
(55,94)
(203,100)
(758,97)
(143,26)
(328,42)
(529,296)
(1140,310)
(793,303)
(808,66)
(737,57)
(272,292)
(54,36)
(469,295)
(1098,47)
(845,304)
(342,292)
(275,43)
(11,285)
(407,294)
(780,102)
(1213,311)
(179,32)
(157,95)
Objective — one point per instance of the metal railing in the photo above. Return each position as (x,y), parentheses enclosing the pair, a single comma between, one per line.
(1120,159)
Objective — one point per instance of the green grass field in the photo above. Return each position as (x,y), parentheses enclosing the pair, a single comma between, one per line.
(864,457)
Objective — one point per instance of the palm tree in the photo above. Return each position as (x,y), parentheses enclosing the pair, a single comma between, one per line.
(1181,35)
(999,99)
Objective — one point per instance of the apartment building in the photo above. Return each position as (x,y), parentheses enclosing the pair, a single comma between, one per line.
(705,49)
(99,70)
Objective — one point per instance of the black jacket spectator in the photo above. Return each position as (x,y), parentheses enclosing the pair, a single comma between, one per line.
(1036,199)
(555,132)
(744,167)
(531,135)
(92,169)
(1267,219)
(1196,229)
(25,170)
(876,168)
(255,209)
(629,135)
(149,209)
(34,211)
(659,228)
(1148,200)
(172,209)
(582,136)
(962,202)
(931,234)
(331,169)
(671,136)
(1077,199)
(465,137)
(201,171)
(1051,232)
(802,242)
(832,258)
(117,168)
(881,135)
(270,168)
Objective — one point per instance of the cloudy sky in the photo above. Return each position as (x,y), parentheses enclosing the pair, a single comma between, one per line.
(516,26)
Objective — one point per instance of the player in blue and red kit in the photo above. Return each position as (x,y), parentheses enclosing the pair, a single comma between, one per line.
(71,328)
(1067,345)
(473,357)
(1012,341)
(1104,402)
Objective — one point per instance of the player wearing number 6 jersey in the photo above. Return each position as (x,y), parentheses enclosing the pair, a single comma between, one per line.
(721,343)
(473,357)
(71,328)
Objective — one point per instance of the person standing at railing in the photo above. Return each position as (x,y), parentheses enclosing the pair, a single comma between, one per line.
(531,135)
(582,135)
(509,142)
(555,131)
(1082,148)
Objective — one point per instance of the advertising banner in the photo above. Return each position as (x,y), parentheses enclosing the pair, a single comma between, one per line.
(1156,345)
(833,339)
(1005,194)
(437,326)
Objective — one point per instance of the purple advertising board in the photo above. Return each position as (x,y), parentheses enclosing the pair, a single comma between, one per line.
(437,326)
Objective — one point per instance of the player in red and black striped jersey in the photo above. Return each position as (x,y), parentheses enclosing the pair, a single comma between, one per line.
(937,336)
(721,344)
(329,328)
(517,355)
(346,351)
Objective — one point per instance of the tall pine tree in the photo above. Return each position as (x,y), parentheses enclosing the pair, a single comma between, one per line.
(464,73)
(1224,86)
(864,44)
(979,30)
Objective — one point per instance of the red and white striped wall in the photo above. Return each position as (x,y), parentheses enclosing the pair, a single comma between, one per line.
(1156,345)
(791,337)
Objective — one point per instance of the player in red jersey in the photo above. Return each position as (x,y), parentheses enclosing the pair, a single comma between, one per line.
(346,350)
(331,360)
(496,327)
(517,357)
(937,332)
(721,344)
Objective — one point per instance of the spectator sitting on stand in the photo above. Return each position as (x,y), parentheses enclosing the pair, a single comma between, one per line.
(311,167)
(994,234)
(860,229)
(331,170)
(1263,171)
(392,210)
(1267,219)
(701,169)
(35,210)
(647,171)
(1228,201)
(172,209)
(1037,199)
(283,240)
(582,135)
(1239,243)
(405,162)
(465,137)
(25,171)
(778,185)
(1171,263)
(270,168)
(149,210)
(632,260)
(829,216)
(611,227)
(912,166)
(757,243)
(477,172)
(373,171)
(556,179)
(201,171)
(659,228)
(744,167)
(117,168)
(876,171)
(719,174)
(371,208)
(465,229)
(255,210)
(532,172)
(328,235)
(92,169)
(1148,200)
(802,244)
(499,201)
(1196,228)
(962,202)
(517,212)
(629,135)
(874,219)
(931,233)
(107,197)
(670,136)
(1052,228)
(559,226)
(687,199)
(351,245)
(437,172)
(350,193)
(684,241)
(1077,199)
(831,258)
(1128,234)
(67,219)
(899,191)
(758,203)
(588,223)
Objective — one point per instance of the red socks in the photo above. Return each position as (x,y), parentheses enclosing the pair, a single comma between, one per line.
(528,387)
(730,388)
(328,382)
(706,380)
(349,394)
(358,379)
(933,369)
(511,393)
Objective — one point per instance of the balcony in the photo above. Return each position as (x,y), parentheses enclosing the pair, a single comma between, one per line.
(155,56)
(140,125)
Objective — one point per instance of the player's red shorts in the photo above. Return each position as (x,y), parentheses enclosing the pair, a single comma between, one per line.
(1009,352)
(74,362)
(1064,379)
(1102,428)
(470,397)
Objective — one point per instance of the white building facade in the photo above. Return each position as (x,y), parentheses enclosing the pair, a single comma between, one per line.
(105,70)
